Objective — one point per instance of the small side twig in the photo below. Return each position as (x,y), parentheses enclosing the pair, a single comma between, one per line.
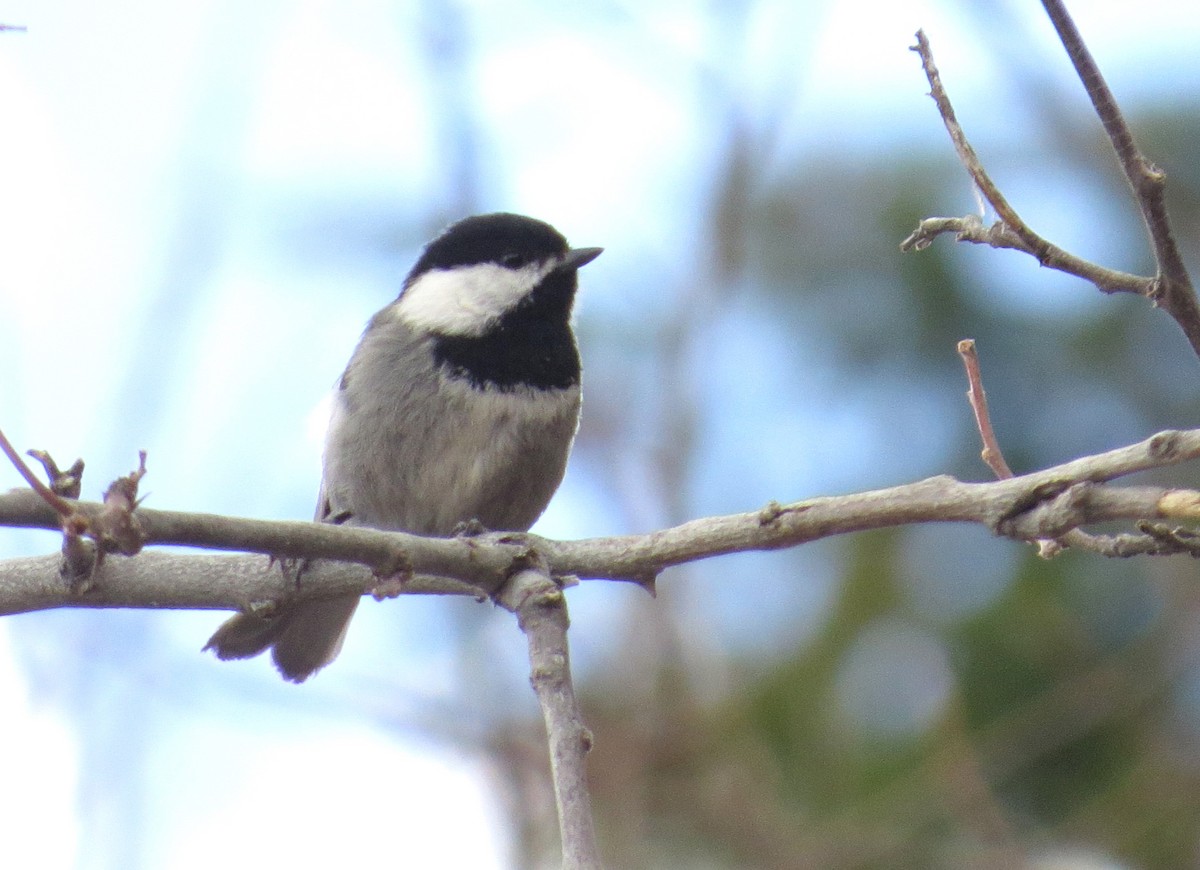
(970,228)
(991,452)
(994,458)
(61,507)
(116,527)
(541,610)
(68,483)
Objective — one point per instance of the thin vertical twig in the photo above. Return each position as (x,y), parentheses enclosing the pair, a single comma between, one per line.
(978,398)
(991,453)
(994,457)
(541,610)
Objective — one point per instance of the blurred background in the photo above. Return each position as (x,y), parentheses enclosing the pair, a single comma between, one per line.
(204,201)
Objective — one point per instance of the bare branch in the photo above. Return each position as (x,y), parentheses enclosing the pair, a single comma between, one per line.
(970,228)
(1170,289)
(1148,182)
(470,559)
(1047,254)
(991,453)
(541,610)
(1044,504)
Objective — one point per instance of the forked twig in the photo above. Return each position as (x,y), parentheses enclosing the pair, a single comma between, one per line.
(1010,231)
(51,498)
(1171,288)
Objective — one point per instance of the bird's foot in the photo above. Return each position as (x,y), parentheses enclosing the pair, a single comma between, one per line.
(470,529)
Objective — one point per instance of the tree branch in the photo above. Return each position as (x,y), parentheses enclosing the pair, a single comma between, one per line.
(1171,288)
(541,610)
(1044,504)
(970,228)
(1147,181)
(991,454)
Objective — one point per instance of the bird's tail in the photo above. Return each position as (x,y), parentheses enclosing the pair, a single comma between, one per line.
(303,637)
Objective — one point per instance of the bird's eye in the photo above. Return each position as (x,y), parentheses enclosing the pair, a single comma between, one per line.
(513,260)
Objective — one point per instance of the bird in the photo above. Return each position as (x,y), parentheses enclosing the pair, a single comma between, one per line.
(458,408)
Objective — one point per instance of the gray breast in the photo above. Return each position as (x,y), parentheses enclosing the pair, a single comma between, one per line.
(412,448)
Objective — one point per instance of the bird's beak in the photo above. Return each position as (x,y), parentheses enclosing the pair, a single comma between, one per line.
(577,257)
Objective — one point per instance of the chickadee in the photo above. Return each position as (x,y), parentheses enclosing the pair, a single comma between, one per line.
(460,403)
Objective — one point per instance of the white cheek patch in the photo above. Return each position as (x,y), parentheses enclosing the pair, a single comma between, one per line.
(468,299)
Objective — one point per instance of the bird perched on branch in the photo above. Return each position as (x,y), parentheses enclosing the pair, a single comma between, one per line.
(459,404)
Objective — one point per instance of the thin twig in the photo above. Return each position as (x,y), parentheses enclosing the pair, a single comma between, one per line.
(1043,250)
(993,456)
(541,610)
(970,228)
(991,453)
(60,505)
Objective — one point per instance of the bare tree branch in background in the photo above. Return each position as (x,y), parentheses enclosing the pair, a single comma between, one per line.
(1171,288)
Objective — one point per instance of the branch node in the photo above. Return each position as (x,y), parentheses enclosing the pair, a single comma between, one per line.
(69,483)
(770,513)
(1164,446)
(1156,291)
(80,559)
(1048,548)
(392,575)
(649,582)
(116,527)
(1027,501)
